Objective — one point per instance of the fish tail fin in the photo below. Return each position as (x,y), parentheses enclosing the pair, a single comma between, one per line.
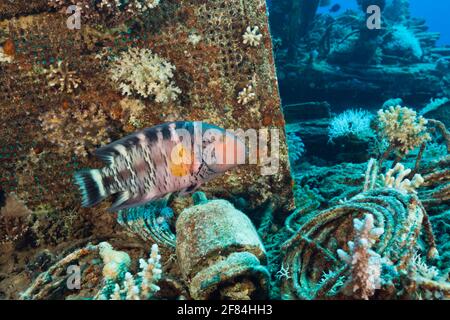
(91,186)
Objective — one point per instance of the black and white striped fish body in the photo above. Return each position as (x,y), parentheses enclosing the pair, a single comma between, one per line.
(149,165)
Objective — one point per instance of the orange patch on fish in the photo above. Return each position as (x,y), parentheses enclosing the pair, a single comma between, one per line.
(180,161)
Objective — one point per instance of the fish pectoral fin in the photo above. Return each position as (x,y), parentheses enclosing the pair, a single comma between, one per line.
(190,189)
(120,200)
(126,199)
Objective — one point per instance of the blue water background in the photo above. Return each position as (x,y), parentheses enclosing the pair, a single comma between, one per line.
(436,12)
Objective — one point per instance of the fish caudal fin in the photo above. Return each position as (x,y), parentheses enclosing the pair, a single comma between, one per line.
(91,186)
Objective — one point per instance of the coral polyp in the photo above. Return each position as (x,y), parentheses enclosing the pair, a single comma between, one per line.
(141,72)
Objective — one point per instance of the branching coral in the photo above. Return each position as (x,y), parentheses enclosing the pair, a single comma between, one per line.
(419,266)
(397,178)
(313,247)
(121,284)
(402,129)
(252,36)
(351,123)
(117,283)
(247,94)
(61,78)
(365,264)
(76,131)
(140,71)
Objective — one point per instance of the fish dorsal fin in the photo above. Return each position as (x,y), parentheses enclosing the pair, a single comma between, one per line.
(109,152)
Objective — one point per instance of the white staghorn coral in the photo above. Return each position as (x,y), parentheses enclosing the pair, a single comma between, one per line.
(140,71)
(365,264)
(396,178)
(150,273)
(252,36)
(402,128)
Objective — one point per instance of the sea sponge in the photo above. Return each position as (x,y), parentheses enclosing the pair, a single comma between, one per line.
(351,123)
(140,71)
(402,128)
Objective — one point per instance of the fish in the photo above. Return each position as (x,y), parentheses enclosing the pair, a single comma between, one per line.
(156,162)
(335,8)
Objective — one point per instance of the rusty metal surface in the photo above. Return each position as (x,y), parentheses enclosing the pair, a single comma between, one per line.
(210,75)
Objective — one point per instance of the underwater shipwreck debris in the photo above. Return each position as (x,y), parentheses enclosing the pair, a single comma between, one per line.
(365,264)
(150,222)
(312,250)
(105,273)
(220,253)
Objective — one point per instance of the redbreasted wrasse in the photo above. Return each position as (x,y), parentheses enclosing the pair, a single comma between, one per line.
(175,157)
